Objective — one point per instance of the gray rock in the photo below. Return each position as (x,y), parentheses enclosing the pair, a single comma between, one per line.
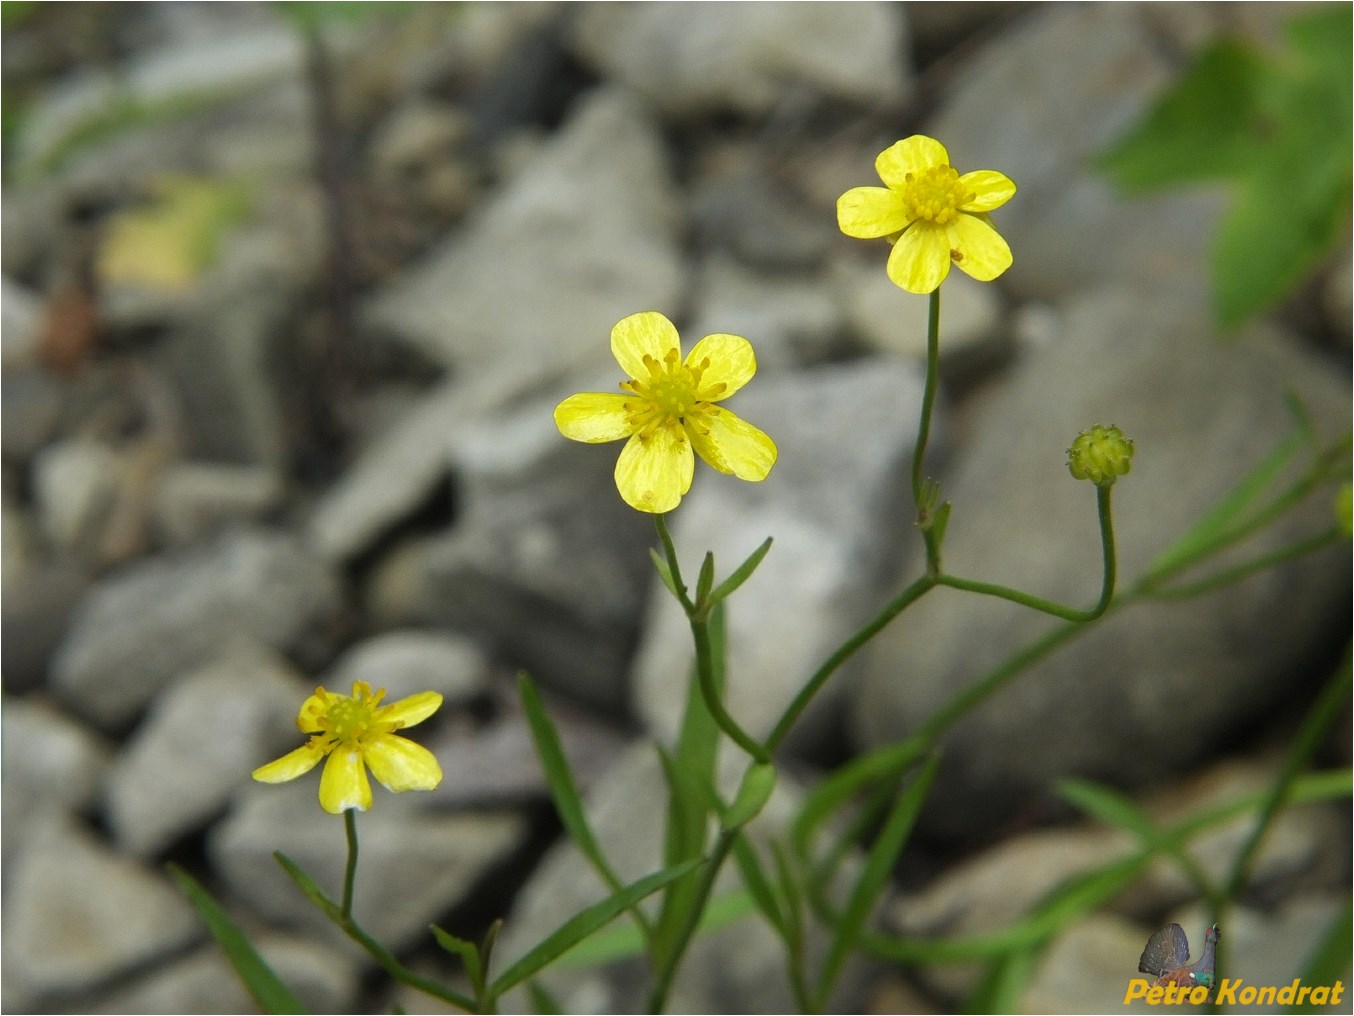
(407,662)
(791,320)
(20,325)
(39,596)
(584,235)
(204,982)
(546,564)
(77,915)
(139,629)
(1038,103)
(415,862)
(172,776)
(51,762)
(1142,692)
(1088,967)
(74,484)
(743,211)
(195,499)
(845,434)
(888,320)
(499,764)
(690,59)
(30,409)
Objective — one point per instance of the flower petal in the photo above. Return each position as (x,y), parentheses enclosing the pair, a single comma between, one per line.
(647,332)
(870,212)
(983,253)
(343,784)
(409,711)
(732,445)
(655,469)
(989,188)
(731,365)
(594,417)
(401,765)
(291,765)
(307,719)
(921,258)
(911,155)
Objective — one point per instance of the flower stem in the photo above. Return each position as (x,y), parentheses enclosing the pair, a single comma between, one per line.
(350,872)
(926,510)
(709,872)
(1048,606)
(801,701)
(700,632)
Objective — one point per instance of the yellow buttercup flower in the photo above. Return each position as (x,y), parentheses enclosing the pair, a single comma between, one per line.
(668,410)
(931,215)
(355,733)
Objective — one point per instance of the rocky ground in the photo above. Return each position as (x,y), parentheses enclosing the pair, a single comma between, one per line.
(315,445)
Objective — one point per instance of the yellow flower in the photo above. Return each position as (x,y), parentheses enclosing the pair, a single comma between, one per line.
(669,409)
(355,733)
(931,215)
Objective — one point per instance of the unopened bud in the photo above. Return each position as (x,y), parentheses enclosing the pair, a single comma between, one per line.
(1101,455)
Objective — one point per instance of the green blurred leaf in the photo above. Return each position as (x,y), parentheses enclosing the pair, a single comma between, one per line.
(585,923)
(758,885)
(254,972)
(742,573)
(468,952)
(1204,128)
(879,863)
(1330,961)
(1004,983)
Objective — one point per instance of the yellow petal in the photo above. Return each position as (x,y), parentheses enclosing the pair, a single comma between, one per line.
(989,188)
(409,711)
(870,212)
(921,258)
(343,784)
(594,417)
(401,765)
(983,253)
(732,445)
(314,706)
(911,155)
(655,470)
(291,765)
(732,364)
(648,332)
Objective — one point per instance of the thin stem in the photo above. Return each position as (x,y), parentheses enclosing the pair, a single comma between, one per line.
(1110,570)
(801,701)
(700,631)
(928,399)
(350,872)
(670,552)
(663,983)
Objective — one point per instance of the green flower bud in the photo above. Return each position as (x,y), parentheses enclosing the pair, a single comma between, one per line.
(1101,455)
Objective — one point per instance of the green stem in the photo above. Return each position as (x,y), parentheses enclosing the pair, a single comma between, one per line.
(801,701)
(658,998)
(674,568)
(350,872)
(700,631)
(1109,572)
(925,519)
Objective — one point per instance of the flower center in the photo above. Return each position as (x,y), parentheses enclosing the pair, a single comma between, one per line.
(348,719)
(934,195)
(669,395)
(345,720)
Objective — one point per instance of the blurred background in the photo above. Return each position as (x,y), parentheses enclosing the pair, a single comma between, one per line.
(291,290)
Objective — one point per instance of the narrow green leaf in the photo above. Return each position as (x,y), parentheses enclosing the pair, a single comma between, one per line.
(706,578)
(308,887)
(834,791)
(559,777)
(742,573)
(257,976)
(468,952)
(758,885)
(879,863)
(665,573)
(1330,962)
(583,924)
(541,999)
(1213,526)
(1004,983)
